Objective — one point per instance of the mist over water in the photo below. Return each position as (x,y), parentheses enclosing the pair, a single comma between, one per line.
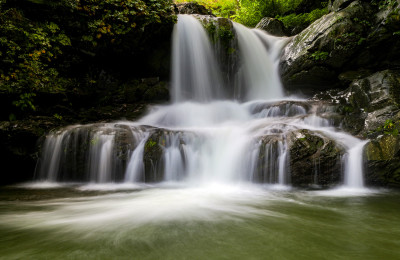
(172,222)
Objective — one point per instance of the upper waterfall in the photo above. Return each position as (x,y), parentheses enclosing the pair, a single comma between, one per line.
(259,71)
(195,73)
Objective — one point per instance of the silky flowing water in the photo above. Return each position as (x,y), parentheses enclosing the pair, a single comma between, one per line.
(220,222)
(204,177)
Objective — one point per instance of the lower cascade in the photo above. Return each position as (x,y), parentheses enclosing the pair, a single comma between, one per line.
(213,133)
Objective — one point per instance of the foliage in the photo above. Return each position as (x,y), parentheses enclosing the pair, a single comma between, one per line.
(302,20)
(250,12)
(222,8)
(220,33)
(150,144)
(37,53)
(320,55)
(390,127)
(28,51)
(110,19)
(57,116)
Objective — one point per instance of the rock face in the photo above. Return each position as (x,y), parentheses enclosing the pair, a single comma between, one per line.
(378,96)
(272,26)
(370,108)
(356,35)
(313,56)
(314,159)
(368,102)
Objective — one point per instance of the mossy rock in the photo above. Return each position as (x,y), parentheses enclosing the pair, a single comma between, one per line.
(385,148)
(153,159)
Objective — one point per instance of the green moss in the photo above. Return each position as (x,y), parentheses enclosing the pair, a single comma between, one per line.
(150,144)
(384,148)
(211,28)
(320,55)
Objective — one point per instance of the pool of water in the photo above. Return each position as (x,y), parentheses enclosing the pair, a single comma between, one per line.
(209,222)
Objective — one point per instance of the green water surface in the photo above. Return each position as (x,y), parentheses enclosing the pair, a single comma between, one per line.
(181,224)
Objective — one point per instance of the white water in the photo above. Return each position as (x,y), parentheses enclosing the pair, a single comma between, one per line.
(135,170)
(201,139)
(354,166)
(259,69)
(195,74)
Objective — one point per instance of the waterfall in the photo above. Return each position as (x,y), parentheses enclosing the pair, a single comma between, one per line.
(202,137)
(195,73)
(354,166)
(135,168)
(259,69)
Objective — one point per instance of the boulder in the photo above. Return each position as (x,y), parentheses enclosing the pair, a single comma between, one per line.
(314,57)
(314,159)
(272,26)
(355,36)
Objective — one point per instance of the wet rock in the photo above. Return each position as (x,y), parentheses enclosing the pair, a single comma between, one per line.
(377,96)
(152,157)
(161,145)
(272,26)
(284,108)
(86,150)
(367,103)
(268,163)
(314,159)
(348,77)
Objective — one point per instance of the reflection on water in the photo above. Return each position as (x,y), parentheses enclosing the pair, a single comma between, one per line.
(212,222)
